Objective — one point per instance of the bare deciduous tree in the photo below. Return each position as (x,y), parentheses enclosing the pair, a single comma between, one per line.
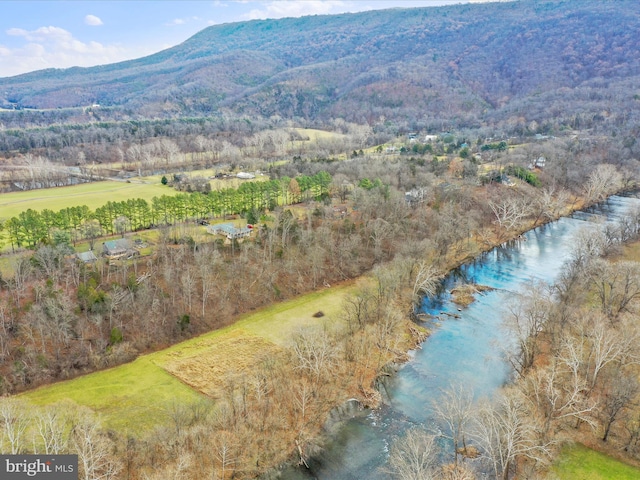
(604,180)
(224,448)
(426,282)
(510,211)
(619,394)
(96,459)
(455,409)
(527,316)
(616,284)
(414,457)
(505,432)
(315,352)
(188,283)
(357,309)
(52,429)
(14,421)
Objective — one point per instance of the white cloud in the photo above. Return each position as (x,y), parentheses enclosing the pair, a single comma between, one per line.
(295,8)
(182,21)
(42,34)
(54,47)
(17,32)
(92,20)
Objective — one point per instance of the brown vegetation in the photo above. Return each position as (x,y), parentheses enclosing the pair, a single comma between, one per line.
(60,319)
(465,295)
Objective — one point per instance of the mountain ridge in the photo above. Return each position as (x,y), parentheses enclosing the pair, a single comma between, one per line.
(459,59)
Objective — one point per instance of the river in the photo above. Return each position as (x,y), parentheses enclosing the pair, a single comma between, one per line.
(465,350)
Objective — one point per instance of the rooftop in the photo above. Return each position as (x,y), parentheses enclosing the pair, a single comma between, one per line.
(87,256)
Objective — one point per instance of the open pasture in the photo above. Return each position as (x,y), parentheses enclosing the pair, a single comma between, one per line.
(130,398)
(93,195)
(97,194)
(580,462)
(134,397)
(314,134)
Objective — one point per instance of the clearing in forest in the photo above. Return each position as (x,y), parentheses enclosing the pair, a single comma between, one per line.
(97,194)
(134,397)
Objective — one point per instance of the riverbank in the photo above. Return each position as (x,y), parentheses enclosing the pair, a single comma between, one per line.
(475,248)
(617,457)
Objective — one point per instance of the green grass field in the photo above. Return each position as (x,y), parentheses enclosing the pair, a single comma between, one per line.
(578,462)
(131,398)
(315,134)
(96,194)
(93,195)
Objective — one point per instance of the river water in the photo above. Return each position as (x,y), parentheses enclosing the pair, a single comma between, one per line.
(465,350)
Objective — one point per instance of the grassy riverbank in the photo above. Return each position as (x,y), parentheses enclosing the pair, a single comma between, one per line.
(578,462)
(131,398)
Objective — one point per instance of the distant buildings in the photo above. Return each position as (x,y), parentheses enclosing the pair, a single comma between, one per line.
(540,163)
(416,196)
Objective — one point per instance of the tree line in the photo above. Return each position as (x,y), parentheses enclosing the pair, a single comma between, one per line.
(30,228)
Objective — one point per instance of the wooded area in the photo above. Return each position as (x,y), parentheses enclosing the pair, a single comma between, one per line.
(441,134)
(60,319)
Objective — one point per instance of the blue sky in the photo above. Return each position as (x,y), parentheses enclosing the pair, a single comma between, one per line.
(59,34)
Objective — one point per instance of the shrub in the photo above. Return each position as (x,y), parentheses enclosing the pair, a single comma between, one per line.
(524,174)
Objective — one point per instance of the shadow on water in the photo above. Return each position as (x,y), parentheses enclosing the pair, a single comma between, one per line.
(466,347)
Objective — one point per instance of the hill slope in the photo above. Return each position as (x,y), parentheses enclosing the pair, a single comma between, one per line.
(456,61)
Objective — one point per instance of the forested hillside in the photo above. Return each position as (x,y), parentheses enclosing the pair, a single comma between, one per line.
(496,61)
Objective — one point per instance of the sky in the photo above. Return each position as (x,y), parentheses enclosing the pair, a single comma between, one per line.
(58,34)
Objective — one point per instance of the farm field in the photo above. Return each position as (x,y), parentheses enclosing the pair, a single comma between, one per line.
(96,194)
(133,397)
(581,463)
(93,195)
(315,134)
